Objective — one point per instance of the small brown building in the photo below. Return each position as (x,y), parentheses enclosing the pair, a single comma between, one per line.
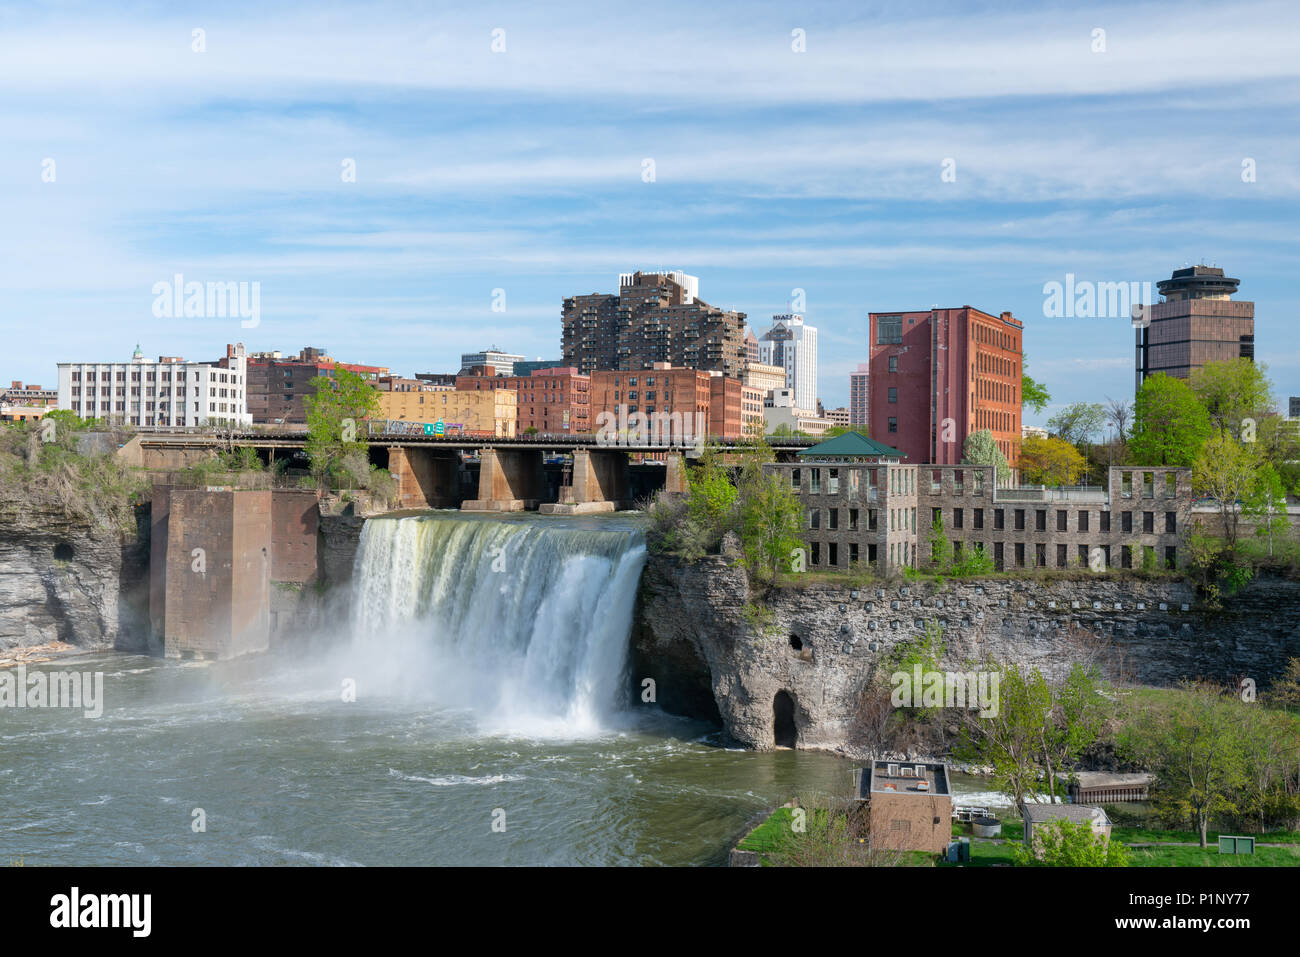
(909,803)
(1036,815)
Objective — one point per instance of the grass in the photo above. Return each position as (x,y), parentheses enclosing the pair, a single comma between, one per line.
(764,837)
(1142,835)
(1210,857)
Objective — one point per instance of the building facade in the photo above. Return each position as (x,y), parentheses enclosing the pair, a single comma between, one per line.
(909,805)
(859,402)
(278,385)
(1198,322)
(863,504)
(938,375)
(502,362)
(167,393)
(654,318)
(493,412)
(551,401)
(667,390)
(792,344)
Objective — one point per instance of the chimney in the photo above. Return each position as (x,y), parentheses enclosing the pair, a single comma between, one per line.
(1006,316)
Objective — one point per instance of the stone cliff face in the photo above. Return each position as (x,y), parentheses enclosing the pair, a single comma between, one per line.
(61,580)
(821,641)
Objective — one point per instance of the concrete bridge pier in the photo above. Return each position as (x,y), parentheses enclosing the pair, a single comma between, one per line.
(675,474)
(599,484)
(426,478)
(509,480)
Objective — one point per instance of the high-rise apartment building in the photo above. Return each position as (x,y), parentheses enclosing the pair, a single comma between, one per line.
(169,392)
(792,344)
(656,317)
(859,404)
(938,375)
(1197,322)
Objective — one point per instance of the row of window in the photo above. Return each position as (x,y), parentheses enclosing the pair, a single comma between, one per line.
(151,377)
(957,519)
(1019,556)
(901,481)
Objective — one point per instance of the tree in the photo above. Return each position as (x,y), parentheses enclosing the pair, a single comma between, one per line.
(1050,461)
(1066,843)
(941,550)
(980,448)
(1231,391)
(1169,423)
(771,518)
(1078,712)
(1266,504)
(1078,422)
(1229,473)
(336,413)
(712,501)
(1007,741)
(1032,393)
(1193,743)
(1118,413)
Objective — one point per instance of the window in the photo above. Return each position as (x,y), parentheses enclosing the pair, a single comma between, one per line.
(1125,556)
(816,485)
(893,424)
(853,520)
(816,553)
(1171,557)
(1040,555)
(889,330)
(893,394)
(1020,520)
(1083,521)
(997,556)
(893,363)
(979,518)
(1062,520)
(1105,522)
(1126,523)
(794,480)
(1148,522)
(999,519)
(1171,523)
(833,556)
(1083,554)
(1020,554)
(814,518)
(833,481)
(853,553)
(834,520)
(957,518)
(1062,556)
(1040,520)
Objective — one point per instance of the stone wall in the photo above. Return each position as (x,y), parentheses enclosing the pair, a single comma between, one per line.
(822,641)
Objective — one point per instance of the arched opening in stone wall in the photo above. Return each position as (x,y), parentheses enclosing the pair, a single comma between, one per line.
(784,732)
(796,642)
(63,552)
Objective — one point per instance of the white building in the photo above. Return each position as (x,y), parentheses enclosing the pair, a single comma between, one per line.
(502,363)
(792,345)
(779,410)
(169,392)
(859,393)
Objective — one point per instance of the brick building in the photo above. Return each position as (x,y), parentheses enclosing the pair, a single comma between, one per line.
(655,317)
(493,412)
(277,385)
(551,400)
(1198,322)
(936,376)
(726,404)
(909,804)
(862,504)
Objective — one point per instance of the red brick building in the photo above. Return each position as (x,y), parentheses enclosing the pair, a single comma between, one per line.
(277,385)
(937,376)
(550,400)
(664,389)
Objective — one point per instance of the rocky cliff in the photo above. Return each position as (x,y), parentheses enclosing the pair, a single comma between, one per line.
(697,634)
(64,580)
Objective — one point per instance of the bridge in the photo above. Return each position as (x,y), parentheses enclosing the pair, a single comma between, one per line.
(553,473)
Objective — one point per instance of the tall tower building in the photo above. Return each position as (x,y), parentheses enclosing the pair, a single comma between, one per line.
(792,344)
(1197,322)
(656,317)
(939,375)
(859,406)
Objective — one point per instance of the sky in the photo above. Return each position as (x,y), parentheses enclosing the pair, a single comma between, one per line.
(409,181)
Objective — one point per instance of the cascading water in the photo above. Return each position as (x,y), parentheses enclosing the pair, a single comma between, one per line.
(523,622)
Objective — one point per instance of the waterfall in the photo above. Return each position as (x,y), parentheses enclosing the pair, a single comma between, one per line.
(523,622)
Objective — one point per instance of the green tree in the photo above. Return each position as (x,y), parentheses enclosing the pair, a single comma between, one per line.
(1066,843)
(1169,423)
(1265,503)
(1078,422)
(1194,744)
(980,448)
(1008,741)
(771,518)
(336,414)
(1229,473)
(712,502)
(1078,713)
(1032,393)
(941,551)
(1231,391)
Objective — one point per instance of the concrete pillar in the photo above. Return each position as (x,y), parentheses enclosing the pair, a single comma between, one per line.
(509,480)
(675,474)
(426,478)
(599,484)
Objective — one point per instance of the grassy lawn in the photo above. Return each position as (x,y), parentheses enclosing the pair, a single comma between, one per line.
(1142,835)
(764,837)
(1195,857)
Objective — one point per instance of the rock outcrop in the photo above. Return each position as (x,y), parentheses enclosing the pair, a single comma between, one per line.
(717,650)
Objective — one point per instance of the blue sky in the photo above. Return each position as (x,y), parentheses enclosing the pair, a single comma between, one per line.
(775,170)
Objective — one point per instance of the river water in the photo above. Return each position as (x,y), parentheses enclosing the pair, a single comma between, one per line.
(464,704)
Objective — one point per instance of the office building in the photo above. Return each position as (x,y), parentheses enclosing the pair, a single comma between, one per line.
(1197,322)
(792,344)
(859,404)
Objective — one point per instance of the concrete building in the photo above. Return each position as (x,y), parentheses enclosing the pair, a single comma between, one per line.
(864,504)
(654,318)
(168,392)
(938,375)
(1197,322)
(30,395)
(859,395)
(462,412)
(838,417)
(779,410)
(278,385)
(792,344)
(552,401)
(751,345)
(502,362)
(1037,815)
(909,804)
